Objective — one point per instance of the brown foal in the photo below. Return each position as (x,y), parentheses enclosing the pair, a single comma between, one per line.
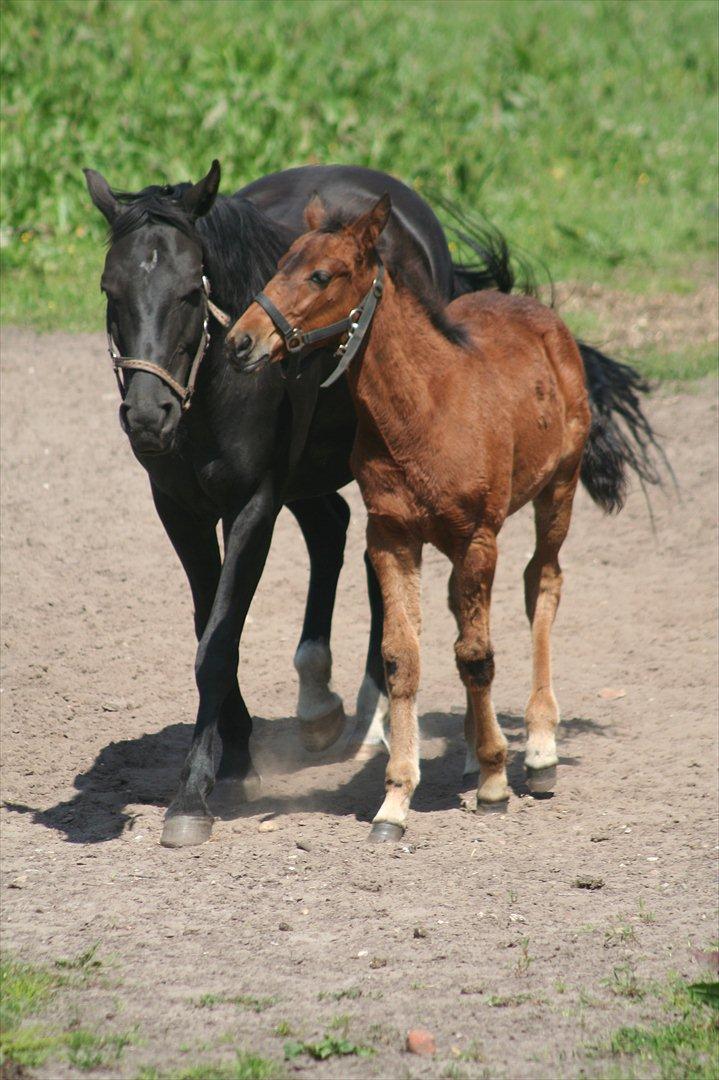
(464,415)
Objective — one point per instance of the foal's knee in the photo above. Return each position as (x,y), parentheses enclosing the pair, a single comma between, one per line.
(401,665)
(476,670)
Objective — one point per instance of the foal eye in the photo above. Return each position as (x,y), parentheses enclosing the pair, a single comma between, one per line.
(321,278)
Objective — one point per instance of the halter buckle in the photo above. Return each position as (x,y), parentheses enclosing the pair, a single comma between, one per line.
(294,341)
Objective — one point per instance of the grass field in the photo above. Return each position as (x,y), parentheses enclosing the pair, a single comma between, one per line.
(585,130)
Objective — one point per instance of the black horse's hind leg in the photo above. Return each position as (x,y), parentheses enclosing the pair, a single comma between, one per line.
(188,820)
(195,541)
(372,700)
(323,522)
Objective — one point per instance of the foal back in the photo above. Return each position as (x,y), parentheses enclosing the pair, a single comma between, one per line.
(509,411)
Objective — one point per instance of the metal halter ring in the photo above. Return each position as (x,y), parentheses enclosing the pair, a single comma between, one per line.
(294,341)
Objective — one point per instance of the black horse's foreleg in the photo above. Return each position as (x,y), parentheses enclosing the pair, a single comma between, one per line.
(195,542)
(323,522)
(188,820)
(372,700)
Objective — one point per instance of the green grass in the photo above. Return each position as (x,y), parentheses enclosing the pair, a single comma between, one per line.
(243,1001)
(585,129)
(25,991)
(244,1067)
(691,363)
(328,1047)
(686,1047)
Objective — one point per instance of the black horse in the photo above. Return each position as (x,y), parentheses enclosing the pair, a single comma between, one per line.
(245,447)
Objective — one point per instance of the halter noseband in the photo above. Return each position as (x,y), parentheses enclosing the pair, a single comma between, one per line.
(184,393)
(355,326)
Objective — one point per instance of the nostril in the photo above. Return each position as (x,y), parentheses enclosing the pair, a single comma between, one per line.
(124,422)
(244,344)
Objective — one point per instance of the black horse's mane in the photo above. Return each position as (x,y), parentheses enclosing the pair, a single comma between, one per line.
(241,245)
(413,279)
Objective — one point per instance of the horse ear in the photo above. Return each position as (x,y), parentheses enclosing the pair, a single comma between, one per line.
(101,194)
(314,213)
(369,227)
(198,199)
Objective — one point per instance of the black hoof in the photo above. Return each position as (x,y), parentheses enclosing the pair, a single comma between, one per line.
(184,831)
(382,831)
(492,807)
(542,781)
(230,795)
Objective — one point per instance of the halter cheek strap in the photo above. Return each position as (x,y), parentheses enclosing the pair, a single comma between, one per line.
(355,326)
(185,393)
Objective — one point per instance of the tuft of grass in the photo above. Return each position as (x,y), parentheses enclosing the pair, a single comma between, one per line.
(585,129)
(246,1066)
(621,934)
(509,1001)
(685,1046)
(25,990)
(624,983)
(85,961)
(243,1001)
(351,994)
(328,1047)
(88,1051)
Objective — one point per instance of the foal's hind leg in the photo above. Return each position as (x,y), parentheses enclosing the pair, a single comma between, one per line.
(471,764)
(323,522)
(396,558)
(542,591)
(473,577)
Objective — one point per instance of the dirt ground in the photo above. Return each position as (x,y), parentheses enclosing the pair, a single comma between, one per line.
(473,927)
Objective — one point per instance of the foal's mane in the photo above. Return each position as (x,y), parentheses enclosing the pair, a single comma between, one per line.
(408,276)
(240,244)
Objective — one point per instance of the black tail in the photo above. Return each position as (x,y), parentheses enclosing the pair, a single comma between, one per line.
(621,436)
(489,263)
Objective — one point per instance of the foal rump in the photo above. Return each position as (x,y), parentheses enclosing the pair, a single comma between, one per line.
(621,437)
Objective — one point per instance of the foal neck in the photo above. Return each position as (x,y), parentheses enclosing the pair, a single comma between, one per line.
(404,357)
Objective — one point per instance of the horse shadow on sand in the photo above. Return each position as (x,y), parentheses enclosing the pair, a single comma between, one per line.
(145,770)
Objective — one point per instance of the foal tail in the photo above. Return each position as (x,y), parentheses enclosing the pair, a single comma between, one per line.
(620,436)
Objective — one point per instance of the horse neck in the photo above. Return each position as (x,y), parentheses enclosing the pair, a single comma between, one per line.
(405,354)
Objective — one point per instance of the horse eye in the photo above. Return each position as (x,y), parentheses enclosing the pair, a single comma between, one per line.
(192,293)
(321,278)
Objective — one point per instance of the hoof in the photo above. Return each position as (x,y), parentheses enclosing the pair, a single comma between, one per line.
(382,831)
(492,807)
(185,831)
(317,735)
(542,781)
(230,795)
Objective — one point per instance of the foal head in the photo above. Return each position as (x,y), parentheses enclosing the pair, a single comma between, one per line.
(322,278)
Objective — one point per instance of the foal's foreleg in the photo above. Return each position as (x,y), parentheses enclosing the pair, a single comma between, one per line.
(396,558)
(473,577)
(542,591)
(323,522)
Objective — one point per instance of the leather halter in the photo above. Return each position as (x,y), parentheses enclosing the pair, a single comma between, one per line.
(184,393)
(355,326)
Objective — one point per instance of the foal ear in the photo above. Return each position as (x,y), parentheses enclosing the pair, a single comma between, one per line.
(101,194)
(198,199)
(370,225)
(314,213)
